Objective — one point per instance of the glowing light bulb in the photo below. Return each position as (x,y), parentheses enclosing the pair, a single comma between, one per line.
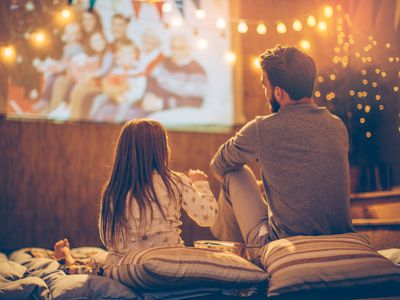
(362,120)
(281,27)
(230,57)
(374,84)
(365,81)
(368,134)
(261,28)
(359,106)
(320,79)
(66,13)
(387,45)
(378,97)
(317,94)
(297,26)
(200,14)
(257,63)
(367,108)
(177,22)
(332,76)
(8,53)
(39,37)
(220,24)
(322,26)
(381,107)
(242,27)
(202,43)
(352,93)
(311,21)
(328,11)
(395,88)
(166,7)
(305,44)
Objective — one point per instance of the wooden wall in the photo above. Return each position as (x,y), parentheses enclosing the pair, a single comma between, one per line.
(51,174)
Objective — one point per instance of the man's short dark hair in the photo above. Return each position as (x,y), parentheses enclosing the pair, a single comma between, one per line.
(290,69)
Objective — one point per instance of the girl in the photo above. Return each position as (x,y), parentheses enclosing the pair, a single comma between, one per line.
(141,202)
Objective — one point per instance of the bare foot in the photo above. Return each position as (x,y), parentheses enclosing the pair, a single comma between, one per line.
(62,250)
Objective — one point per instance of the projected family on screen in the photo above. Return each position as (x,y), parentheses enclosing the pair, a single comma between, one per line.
(117,64)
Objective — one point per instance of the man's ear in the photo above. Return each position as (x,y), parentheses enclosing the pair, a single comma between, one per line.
(278,93)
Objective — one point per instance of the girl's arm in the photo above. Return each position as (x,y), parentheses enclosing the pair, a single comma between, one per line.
(105,66)
(198,200)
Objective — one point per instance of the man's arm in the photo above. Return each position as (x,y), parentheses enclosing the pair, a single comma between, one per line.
(237,151)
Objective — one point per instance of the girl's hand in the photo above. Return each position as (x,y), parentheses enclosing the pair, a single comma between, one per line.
(197,175)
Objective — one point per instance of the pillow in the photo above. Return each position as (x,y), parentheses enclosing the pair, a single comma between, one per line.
(25,288)
(392,254)
(330,262)
(171,267)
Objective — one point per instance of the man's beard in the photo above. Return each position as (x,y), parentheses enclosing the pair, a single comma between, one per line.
(275,106)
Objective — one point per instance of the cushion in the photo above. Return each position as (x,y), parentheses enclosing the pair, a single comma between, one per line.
(304,263)
(3,256)
(25,288)
(171,267)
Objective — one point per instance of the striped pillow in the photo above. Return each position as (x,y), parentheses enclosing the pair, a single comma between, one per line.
(304,263)
(170,267)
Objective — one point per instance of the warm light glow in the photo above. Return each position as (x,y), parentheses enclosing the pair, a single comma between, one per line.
(230,57)
(362,120)
(395,88)
(242,27)
(297,26)
(317,94)
(374,84)
(332,77)
(387,45)
(66,13)
(328,11)
(377,70)
(357,54)
(257,63)
(378,97)
(338,7)
(368,134)
(367,108)
(311,21)
(202,43)
(352,93)
(8,53)
(200,14)
(381,107)
(365,94)
(261,28)
(359,94)
(38,38)
(177,22)
(337,49)
(359,106)
(305,44)
(391,59)
(221,24)
(365,82)
(383,74)
(281,27)
(322,26)
(167,7)
(320,79)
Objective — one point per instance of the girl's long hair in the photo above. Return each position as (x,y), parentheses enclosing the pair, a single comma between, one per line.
(142,149)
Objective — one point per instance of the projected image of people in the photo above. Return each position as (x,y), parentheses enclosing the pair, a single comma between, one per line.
(120,61)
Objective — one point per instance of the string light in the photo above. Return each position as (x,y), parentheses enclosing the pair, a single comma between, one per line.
(242,27)
(166,7)
(368,134)
(352,92)
(383,74)
(281,27)
(220,24)
(359,94)
(65,14)
(362,120)
(177,22)
(305,44)
(8,53)
(367,108)
(374,84)
(387,45)
(378,97)
(200,14)
(230,57)
(359,106)
(311,21)
(365,81)
(395,89)
(328,11)
(381,107)
(332,76)
(38,38)
(261,28)
(202,43)
(297,26)
(317,94)
(320,79)
(322,26)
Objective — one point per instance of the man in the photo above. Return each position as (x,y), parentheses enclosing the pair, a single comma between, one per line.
(302,152)
(179,81)
(119,26)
